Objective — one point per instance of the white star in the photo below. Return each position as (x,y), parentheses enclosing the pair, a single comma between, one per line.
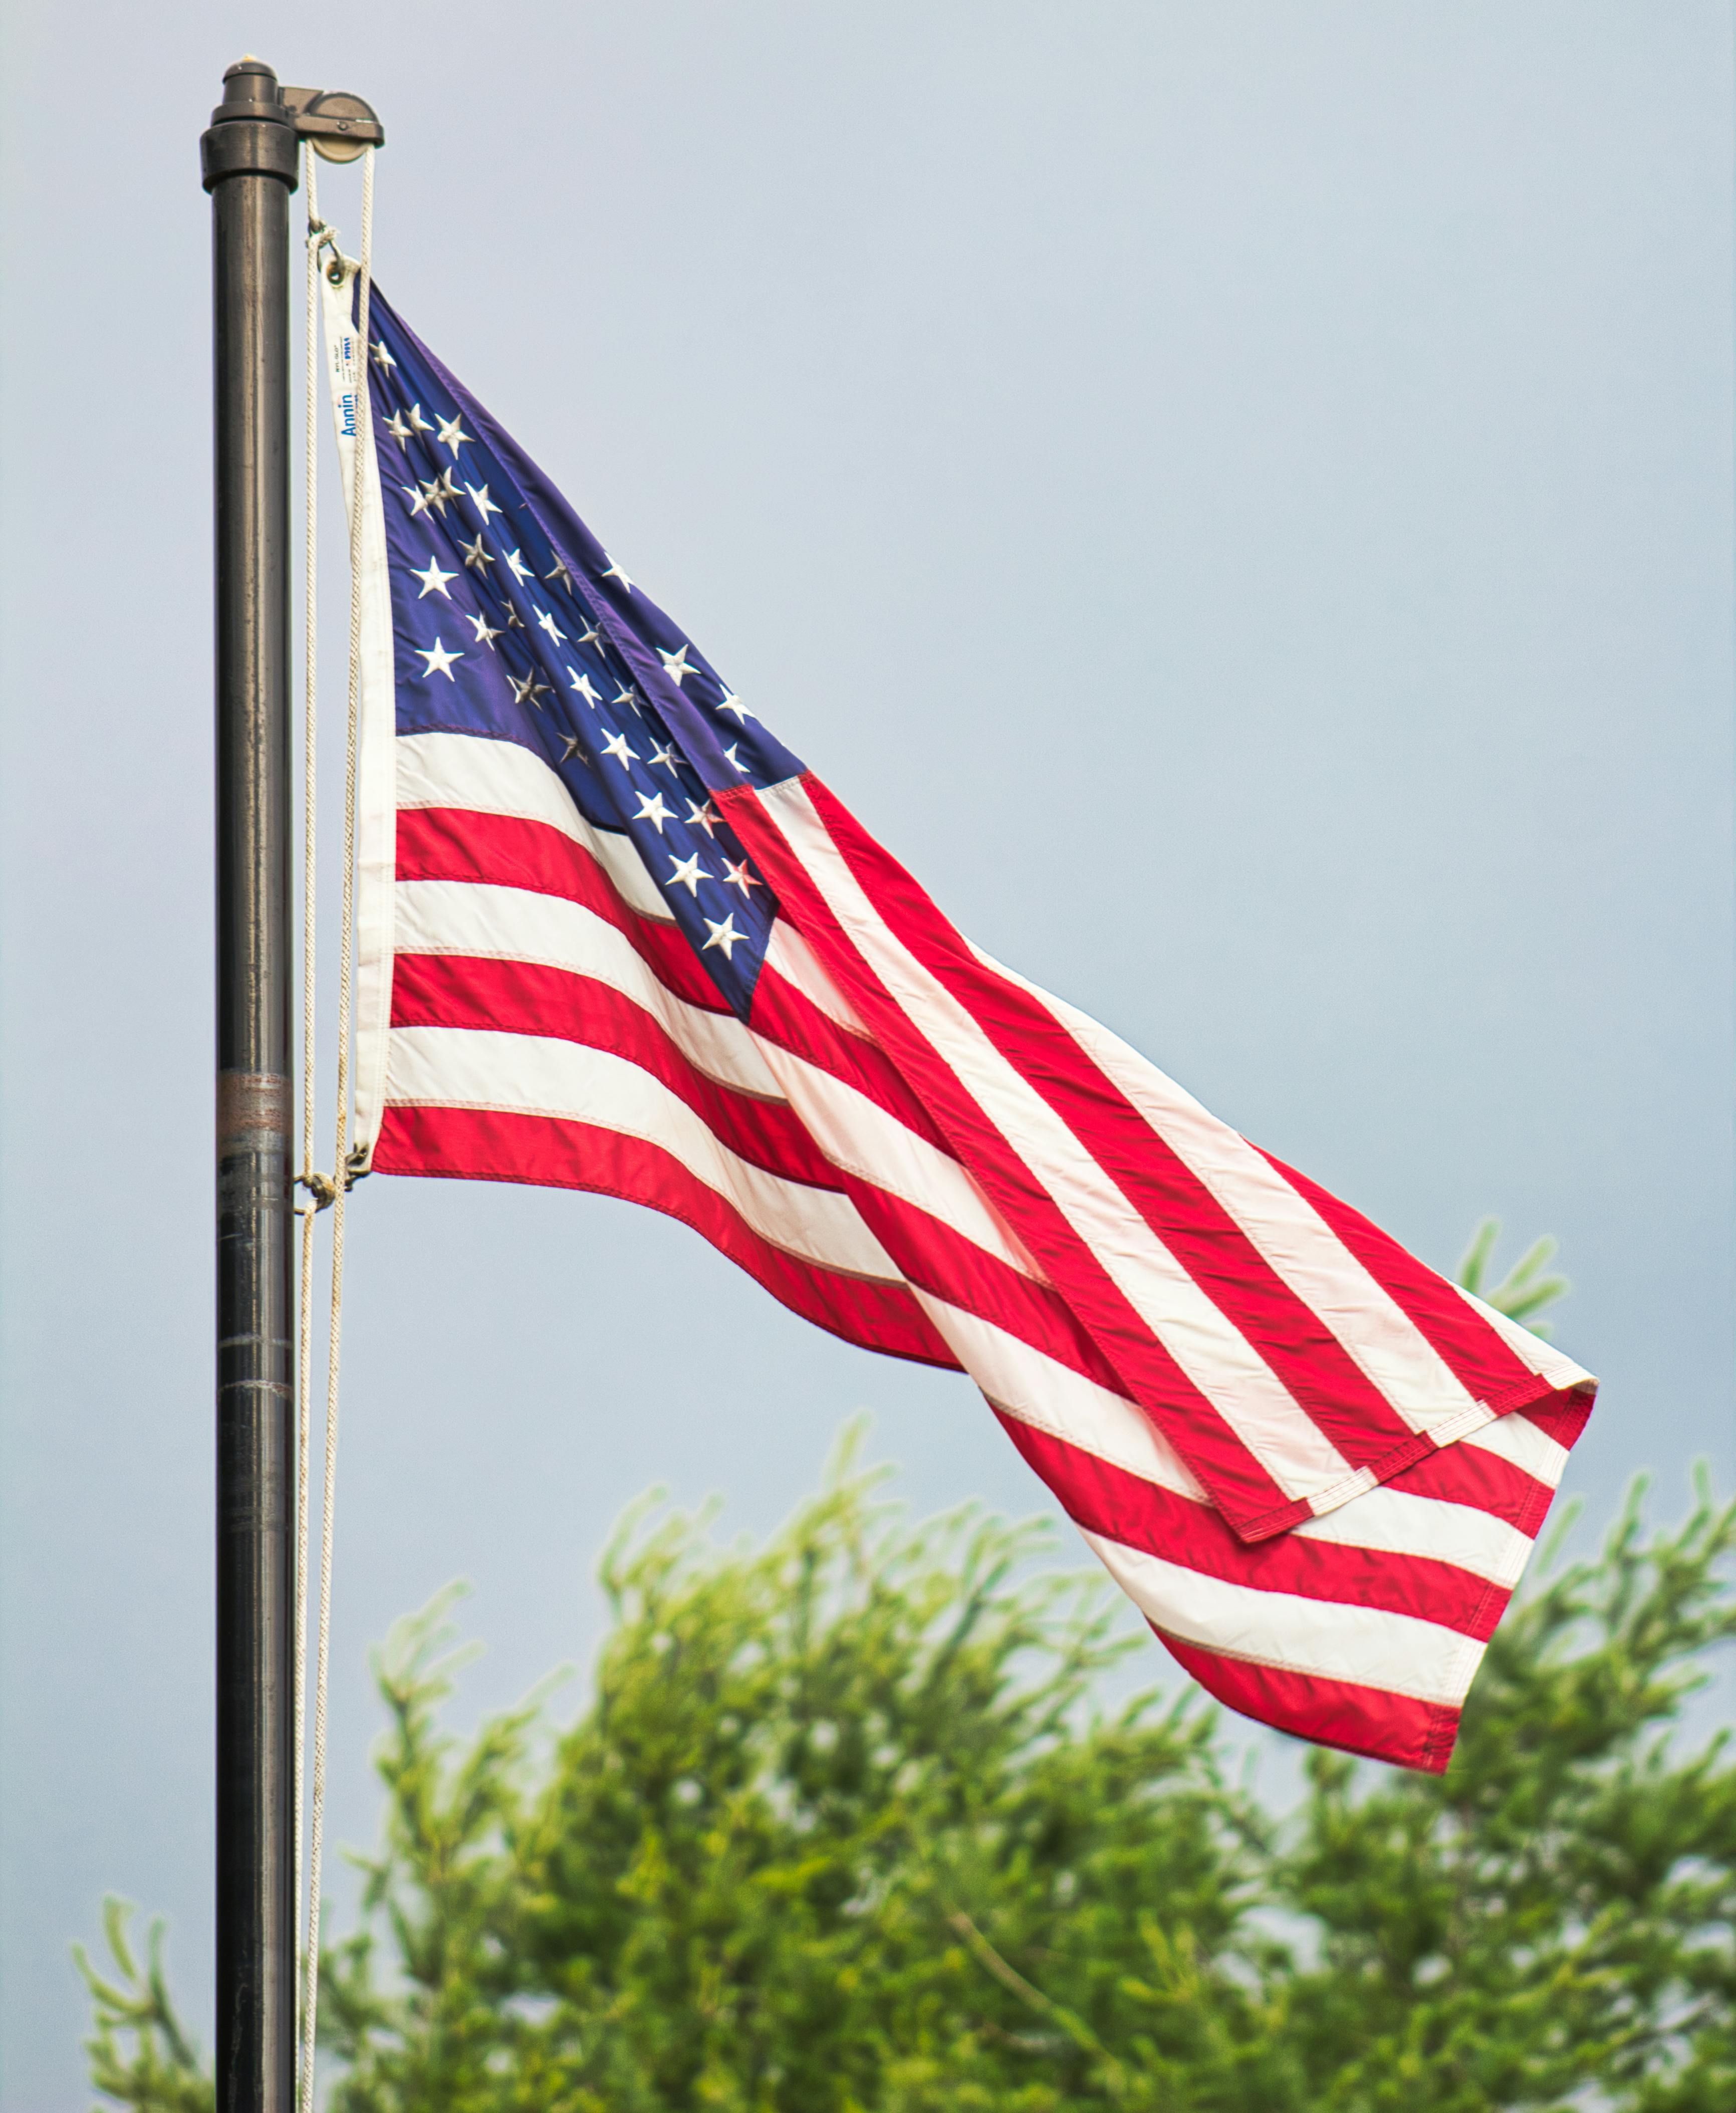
(582,684)
(615,572)
(728,703)
(561,571)
(517,566)
(436,495)
(615,746)
(397,428)
(724,935)
(448,489)
(514,621)
(592,637)
(629,696)
(666,756)
(485,632)
(417,498)
(453,435)
(479,500)
(738,876)
(475,556)
(382,358)
(701,817)
(527,691)
(440,661)
(433,580)
(654,811)
(555,631)
(688,874)
(675,664)
(572,749)
(418,421)
(731,753)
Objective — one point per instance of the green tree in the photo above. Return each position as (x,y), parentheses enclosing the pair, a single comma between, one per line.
(160,2069)
(846,1823)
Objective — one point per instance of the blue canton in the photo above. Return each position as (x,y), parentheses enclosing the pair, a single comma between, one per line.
(510,620)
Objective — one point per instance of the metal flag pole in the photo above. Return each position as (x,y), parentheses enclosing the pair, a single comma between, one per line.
(249,164)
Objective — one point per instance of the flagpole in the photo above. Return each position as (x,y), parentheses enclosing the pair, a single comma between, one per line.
(248,166)
(249,158)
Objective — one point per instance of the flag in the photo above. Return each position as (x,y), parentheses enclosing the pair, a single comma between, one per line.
(614,936)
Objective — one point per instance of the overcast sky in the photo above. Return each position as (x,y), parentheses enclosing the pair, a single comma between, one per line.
(1238,496)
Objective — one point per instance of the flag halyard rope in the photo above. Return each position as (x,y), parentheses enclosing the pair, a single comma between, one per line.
(324,1191)
(308,1208)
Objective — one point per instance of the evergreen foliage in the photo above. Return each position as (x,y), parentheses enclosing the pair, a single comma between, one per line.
(1528,1287)
(847,1825)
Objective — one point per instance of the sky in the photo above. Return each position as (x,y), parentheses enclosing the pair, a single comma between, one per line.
(1238,496)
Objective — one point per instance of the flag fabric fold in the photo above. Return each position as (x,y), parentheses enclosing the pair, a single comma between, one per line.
(615,937)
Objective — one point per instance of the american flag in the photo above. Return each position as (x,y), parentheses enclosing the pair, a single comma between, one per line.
(615,937)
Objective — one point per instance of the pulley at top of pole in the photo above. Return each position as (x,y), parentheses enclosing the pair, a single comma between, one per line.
(339,126)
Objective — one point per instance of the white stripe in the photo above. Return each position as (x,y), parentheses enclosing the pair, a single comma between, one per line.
(1037,1391)
(490,777)
(1296,1242)
(1216,1357)
(1397,1523)
(476,920)
(858,1135)
(1516,1439)
(1542,1358)
(1320,1639)
(790,955)
(534,1075)
(1284,1229)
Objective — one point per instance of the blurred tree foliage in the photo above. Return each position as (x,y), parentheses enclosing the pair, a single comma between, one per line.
(847,1827)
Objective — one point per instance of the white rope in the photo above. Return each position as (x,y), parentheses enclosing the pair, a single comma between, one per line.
(308,1207)
(340,1164)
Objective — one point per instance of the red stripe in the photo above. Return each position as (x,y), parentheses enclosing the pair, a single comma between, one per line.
(1144,1370)
(1183,1212)
(1563,1416)
(1320,1375)
(1477,1353)
(789,1018)
(471,1144)
(1369,1721)
(504,850)
(943,1262)
(528,998)
(1467,1474)
(1108,1500)
(1327,1384)
(1171,1198)
(531,998)
(462,990)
